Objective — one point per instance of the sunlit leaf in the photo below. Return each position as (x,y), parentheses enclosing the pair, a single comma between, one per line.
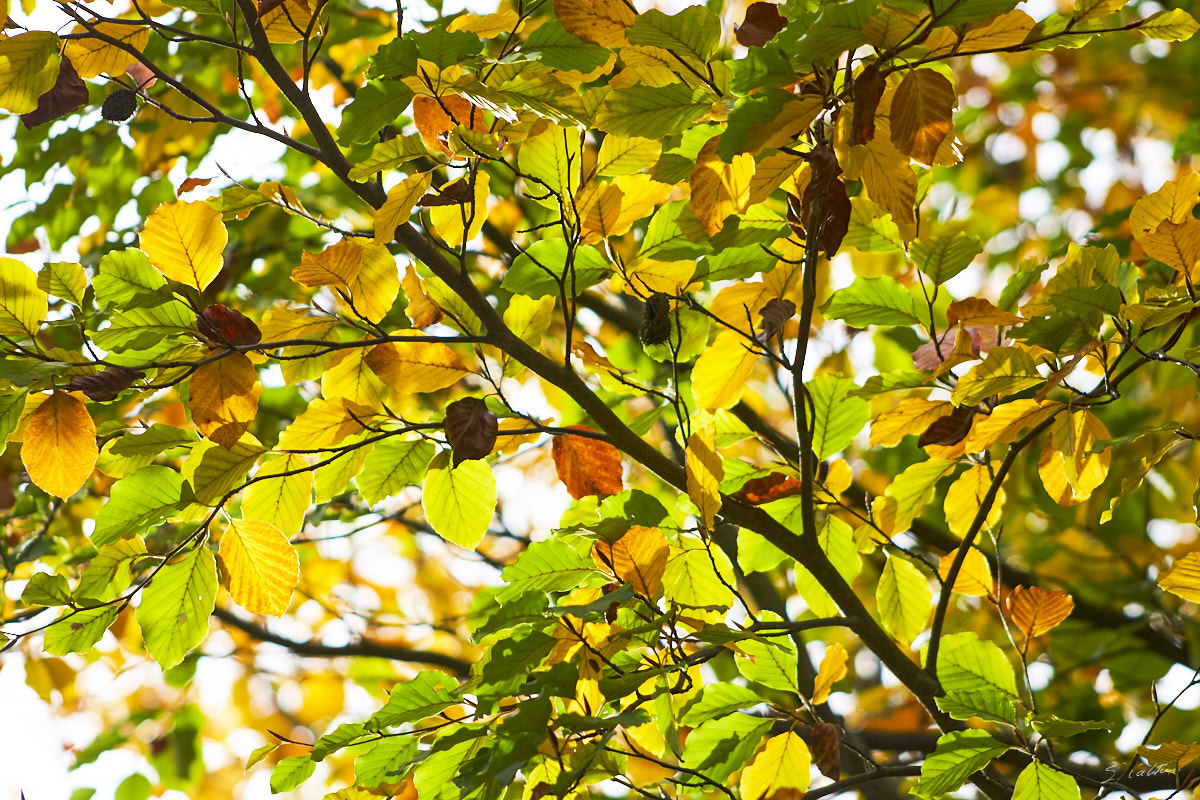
(259,565)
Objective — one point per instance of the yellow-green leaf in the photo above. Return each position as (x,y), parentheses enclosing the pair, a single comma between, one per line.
(23,305)
(259,565)
(621,155)
(174,609)
(184,242)
(704,473)
(459,502)
(447,221)
(398,206)
(59,451)
(280,498)
(904,599)
(223,398)
(1169,25)
(64,279)
(28,69)
(780,770)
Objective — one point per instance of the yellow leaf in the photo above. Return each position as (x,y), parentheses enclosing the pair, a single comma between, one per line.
(280,324)
(910,492)
(324,424)
(885,174)
(1171,203)
(23,305)
(421,310)
(398,207)
(639,557)
(1070,470)
(704,473)
(336,265)
(771,173)
(288,21)
(719,189)
(832,670)
(622,156)
(59,451)
(278,497)
(1036,610)
(375,285)
(1005,423)
(601,22)
(184,241)
(779,771)
(259,565)
(649,276)
(1182,578)
(922,113)
(28,69)
(1176,244)
(911,417)
(1006,370)
(721,371)
(965,497)
(1169,756)
(999,32)
(486,27)
(416,367)
(223,398)
(351,378)
(974,577)
(92,56)
(447,221)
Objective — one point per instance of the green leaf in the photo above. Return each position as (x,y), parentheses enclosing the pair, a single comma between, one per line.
(341,736)
(290,773)
(694,32)
(428,693)
(11,408)
(943,257)
(389,155)
(157,439)
(871,229)
(375,105)
(135,787)
(838,28)
(151,329)
(108,574)
(1040,781)
(959,755)
(551,44)
(445,48)
(652,111)
(1170,25)
(956,12)
(23,305)
(392,465)
(720,747)
(837,417)
(175,607)
(538,270)
(459,502)
(773,665)
(44,589)
(987,704)
(384,763)
(1052,727)
(872,301)
(691,579)
(146,498)
(64,279)
(904,599)
(967,664)
(548,566)
(717,700)
(214,471)
(125,276)
(1006,370)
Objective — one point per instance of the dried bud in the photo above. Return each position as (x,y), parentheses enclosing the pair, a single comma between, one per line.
(656,320)
(119,106)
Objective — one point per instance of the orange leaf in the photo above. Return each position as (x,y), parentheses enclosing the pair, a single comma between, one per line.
(436,116)
(587,466)
(223,398)
(922,111)
(59,450)
(1036,610)
(421,310)
(775,486)
(639,557)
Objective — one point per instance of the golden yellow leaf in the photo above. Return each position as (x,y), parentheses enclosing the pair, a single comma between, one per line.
(223,398)
(832,670)
(885,174)
(416,367)
(1036,610)
(1182,578)
(1070,470)
(771,173)
(719,189)
(974,578)
(375,286)
(1171,203)
(721,371)
(421,310)
(912,416)
(259,565)
(59,451)
(601,22)
(639,557)
(649,276)
(23,305)
(350,378)
(489,25)
(184,242)
(288,21)
(401,199)
(447,221)
(1005,423)
(1006,30)
(977,311)
(780,770)
(965,497)
(336,265)
(92,56)
(704,473)
(1170,756)
(1176,244)
(324,424)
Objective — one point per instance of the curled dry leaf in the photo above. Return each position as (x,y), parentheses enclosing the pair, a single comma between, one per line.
(827,748)
(775,315)
(950,429)
(762,22)
(68,93)
(587,466)
(775,486)
(656,320)
(470,428)
(106,385)
(868,89)
(223,325)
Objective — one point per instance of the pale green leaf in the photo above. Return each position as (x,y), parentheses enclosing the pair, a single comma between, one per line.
(1040,781)
(872,301)
(959,755)
(459,502)
(174,609)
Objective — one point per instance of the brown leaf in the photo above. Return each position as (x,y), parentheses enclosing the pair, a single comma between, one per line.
(470,428)
(950,429)
(452,194)
(922,114)
(762,22)
(827,748)
(29,245)
(837,219)
(587,466)
(191,183)
(757,491)
(868,88)
(68,93)
(224,325)
(106,385)
(775,315)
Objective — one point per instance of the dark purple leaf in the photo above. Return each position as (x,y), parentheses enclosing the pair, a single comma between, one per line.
(68,93)
(762,22)
(470,428)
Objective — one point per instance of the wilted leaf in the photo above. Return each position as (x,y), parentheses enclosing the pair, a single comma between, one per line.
(105,385)
(67,95)
(827,748)
(223,325)
(470,428)
(775,486)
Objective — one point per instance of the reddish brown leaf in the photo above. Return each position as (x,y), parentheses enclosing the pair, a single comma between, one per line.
(587,466)
(68,93)
(470,428)
(265,6)
(762,22)
(24,246)
(837,219)
(452,194)
(827,748)
(767,488)
(191,183)
(106,385)
(950,429)
(142,75)
(223,325)
(868,88)
(775,315)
